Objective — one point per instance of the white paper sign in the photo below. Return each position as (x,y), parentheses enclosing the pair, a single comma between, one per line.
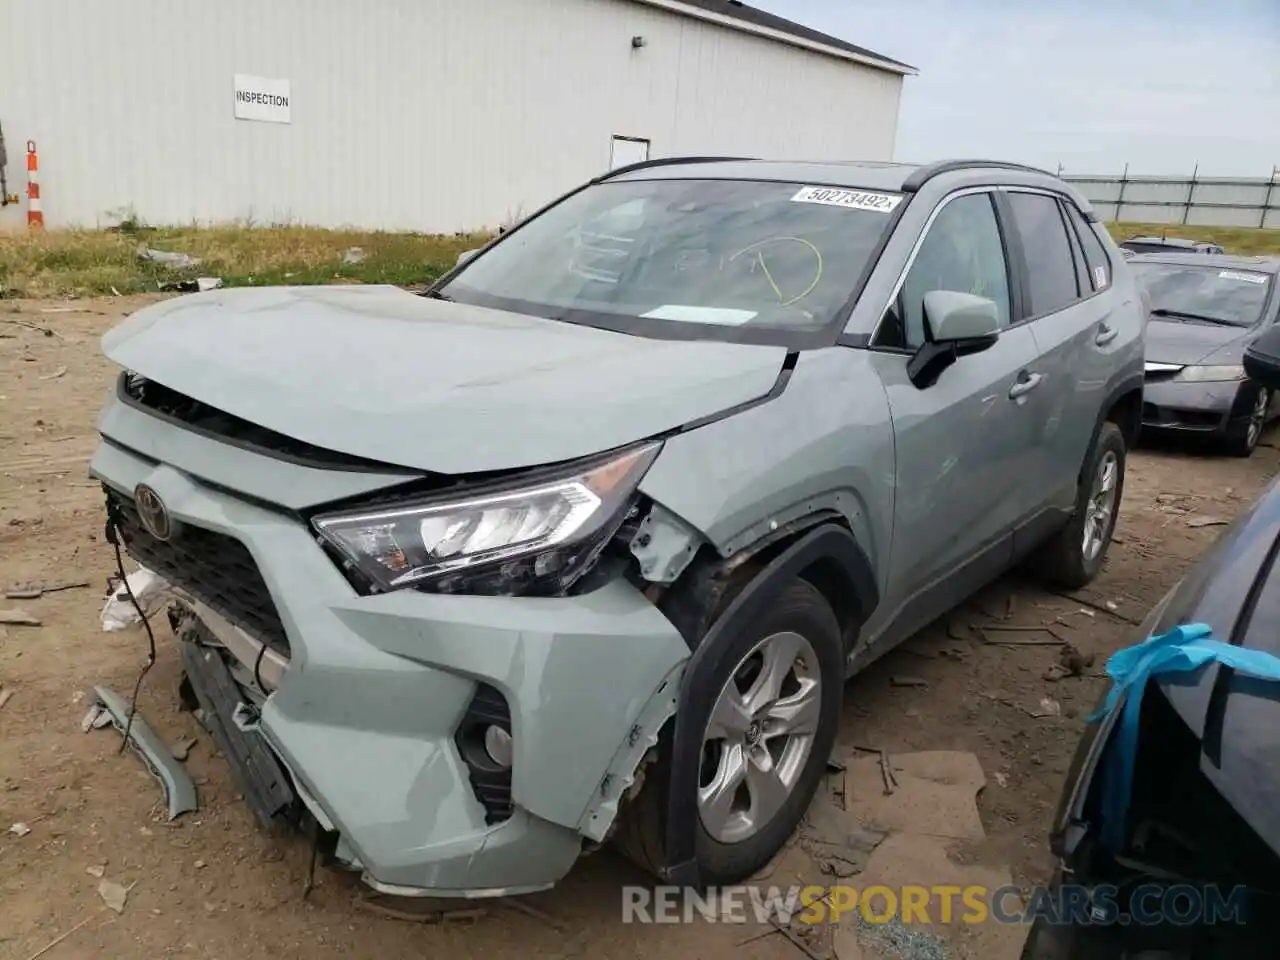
(1246,277)
(262,98)
(686,314)
(850,199)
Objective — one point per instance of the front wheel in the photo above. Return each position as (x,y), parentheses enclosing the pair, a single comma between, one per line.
(771,728)
(1242,438)
(1075,554)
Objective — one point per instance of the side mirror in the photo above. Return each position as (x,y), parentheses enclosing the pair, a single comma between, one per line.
(955,317)
(1262,359)
(956,325)
(464,256)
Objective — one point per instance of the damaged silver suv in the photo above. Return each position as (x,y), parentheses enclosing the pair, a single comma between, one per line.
(582,543)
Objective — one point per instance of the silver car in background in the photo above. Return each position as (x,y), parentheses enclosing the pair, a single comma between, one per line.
(1205,310)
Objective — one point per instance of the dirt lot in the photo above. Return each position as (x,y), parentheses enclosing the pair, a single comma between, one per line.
(212,886)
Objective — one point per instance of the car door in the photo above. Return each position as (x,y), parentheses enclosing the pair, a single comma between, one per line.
(961,442)
(1068,318)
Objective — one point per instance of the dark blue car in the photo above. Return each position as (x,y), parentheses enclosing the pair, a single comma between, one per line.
(1198,874)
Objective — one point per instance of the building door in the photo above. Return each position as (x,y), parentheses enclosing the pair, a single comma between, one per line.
(627,150)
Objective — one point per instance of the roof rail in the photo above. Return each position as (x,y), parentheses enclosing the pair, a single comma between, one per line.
(664,162)
(923,175)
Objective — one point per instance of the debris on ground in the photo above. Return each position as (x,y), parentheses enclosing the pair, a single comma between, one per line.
(1075,661)
(1048,708)
(179,790)
(19,618)
(908,682)
(936,794)
(182,749)
(353,255)
(198,285)
(19,829)
(6,695)
(34,590)
(96,870)
(96,718)
(1206,522)
(148,588)
(1016,635)
(113,894)
(61,371)
(839,845)
(894,939)
(174,261)
(419,911)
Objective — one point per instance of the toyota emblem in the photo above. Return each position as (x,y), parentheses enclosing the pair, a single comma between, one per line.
(152,512)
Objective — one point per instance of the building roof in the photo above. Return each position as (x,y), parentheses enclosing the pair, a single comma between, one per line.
(762,23)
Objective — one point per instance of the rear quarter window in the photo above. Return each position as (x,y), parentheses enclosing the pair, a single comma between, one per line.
(1095,253)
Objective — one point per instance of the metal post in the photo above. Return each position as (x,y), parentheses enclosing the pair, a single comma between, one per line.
(1191,192)
(1266,200)
(1124,179)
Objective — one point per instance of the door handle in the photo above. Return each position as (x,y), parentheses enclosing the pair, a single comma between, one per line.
(1105,335)
(1025,384)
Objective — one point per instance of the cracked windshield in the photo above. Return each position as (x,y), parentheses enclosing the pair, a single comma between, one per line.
(728,253)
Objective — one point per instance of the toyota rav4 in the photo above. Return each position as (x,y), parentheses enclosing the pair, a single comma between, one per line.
(582,543)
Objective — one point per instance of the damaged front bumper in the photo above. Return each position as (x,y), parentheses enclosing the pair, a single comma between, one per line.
(376,708)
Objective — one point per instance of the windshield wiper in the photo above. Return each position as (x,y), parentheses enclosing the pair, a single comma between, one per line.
(1184,315)
(437,295)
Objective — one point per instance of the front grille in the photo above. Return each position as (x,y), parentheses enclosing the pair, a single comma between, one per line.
(214,568)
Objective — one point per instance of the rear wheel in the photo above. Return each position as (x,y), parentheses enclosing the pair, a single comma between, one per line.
(1242,438)
(1075,554)
(765,746)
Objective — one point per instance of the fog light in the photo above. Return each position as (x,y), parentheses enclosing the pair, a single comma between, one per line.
(497,744)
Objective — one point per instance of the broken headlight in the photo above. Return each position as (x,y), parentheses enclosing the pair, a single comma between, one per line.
(536,539)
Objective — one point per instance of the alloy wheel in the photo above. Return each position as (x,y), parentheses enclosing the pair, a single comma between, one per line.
(1101,505)
(759,737)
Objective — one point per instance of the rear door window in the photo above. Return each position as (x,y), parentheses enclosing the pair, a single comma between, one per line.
(1051,269)
(1094,253)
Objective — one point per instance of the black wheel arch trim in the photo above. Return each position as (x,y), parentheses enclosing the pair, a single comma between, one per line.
(1130,384)
(827,542)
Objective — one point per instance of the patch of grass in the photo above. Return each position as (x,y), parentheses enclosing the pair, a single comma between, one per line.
(77,263)
(1244,241)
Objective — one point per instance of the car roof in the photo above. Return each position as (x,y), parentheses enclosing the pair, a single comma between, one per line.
(852,174)
(1179,242)
(1220,261)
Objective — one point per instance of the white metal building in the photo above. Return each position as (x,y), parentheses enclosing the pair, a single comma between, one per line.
(433,115)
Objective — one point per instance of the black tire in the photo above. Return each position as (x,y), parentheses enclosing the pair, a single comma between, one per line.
(1241,440)
(800,609)
(1062,560)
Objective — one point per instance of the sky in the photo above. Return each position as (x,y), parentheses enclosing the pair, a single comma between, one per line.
(1162,85)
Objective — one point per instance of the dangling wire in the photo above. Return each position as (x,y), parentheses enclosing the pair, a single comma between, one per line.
(112,533)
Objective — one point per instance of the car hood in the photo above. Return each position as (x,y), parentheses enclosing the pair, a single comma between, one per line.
(1171,341)
(378,373)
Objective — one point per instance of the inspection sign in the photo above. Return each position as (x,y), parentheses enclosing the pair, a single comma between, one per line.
(262,98)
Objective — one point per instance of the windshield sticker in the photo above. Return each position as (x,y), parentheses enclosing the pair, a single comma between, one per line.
(849,199)
(719,315)
(1246,277)
(1099,277)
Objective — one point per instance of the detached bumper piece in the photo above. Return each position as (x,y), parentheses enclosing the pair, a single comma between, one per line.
(179,791)
(229,720)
